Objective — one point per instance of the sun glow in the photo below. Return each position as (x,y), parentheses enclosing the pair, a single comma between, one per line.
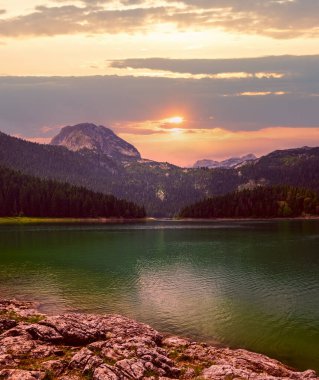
(175,120)
(176,131)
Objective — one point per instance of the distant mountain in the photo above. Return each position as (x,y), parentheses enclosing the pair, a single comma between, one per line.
(97,139)
(226,164)
(164,189)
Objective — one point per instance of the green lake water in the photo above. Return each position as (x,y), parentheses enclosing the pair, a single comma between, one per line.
(243,284)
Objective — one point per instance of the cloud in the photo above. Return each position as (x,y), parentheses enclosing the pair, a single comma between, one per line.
(71,19)
(285,64)
(122,102)
(39,140)
(277,19)
(49,129)
(222,117)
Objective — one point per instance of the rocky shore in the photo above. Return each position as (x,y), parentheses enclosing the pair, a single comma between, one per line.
(34,346)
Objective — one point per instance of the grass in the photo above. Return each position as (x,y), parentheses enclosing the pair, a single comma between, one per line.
(10,314)
(39,220)
(29,220)
(150,373)
(89,374)
(184,361)
(178,354)
(49,376)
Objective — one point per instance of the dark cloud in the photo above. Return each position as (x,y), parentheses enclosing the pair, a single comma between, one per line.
(275,18)
(278,19)
(288,65)
(26,104)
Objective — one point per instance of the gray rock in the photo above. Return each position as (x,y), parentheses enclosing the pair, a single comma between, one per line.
(95,138)
(105,372)
(175,341)
(85,361)
(6,324)
(18,374)
(44,333)
(7,360)
(112,347)
(55,366)
(132,368)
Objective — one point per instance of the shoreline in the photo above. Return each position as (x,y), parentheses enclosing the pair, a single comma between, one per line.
(78,346)
(247,219)
(36,220)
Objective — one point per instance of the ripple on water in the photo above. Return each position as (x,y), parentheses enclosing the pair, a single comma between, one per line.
(245,284)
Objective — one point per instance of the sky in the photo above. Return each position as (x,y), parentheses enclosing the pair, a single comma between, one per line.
(181,80)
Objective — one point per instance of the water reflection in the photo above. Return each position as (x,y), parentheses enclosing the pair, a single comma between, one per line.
(245,284)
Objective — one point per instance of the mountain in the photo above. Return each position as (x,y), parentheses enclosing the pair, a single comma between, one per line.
(164,189)
(57,162)
(227,164)
(296,167)
(24,195)
(97,139)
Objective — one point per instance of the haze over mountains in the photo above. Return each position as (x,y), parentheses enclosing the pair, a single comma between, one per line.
(94,157)
(229,163)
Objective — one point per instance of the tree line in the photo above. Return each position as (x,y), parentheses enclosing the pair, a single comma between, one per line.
(261,202)
(24,195)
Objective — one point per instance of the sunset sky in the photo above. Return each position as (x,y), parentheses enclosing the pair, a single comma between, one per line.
(181,80)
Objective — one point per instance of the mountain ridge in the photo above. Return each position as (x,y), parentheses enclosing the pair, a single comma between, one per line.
(226,164)
(164,189)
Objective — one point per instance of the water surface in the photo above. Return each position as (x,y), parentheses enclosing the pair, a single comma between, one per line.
(243,284)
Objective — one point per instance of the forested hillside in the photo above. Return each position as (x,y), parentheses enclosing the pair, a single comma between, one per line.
(23,195)
(162,188)
(57,162)
(296,167)
(262,202)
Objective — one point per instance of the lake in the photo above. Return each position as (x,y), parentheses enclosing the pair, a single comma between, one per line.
(249,284)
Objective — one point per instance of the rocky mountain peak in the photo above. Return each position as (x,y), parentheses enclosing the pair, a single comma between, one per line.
(226,164)
(95,138)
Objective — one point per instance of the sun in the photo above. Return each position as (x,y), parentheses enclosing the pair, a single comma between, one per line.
(175,120)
